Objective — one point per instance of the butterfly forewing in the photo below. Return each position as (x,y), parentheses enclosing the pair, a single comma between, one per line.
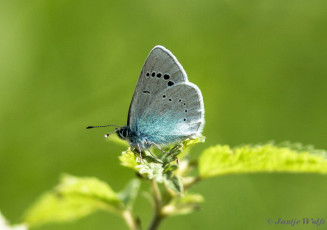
(160,71)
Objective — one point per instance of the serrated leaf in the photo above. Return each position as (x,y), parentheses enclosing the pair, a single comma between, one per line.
(4,225)
(150,167)
(159,168)
(129,194)
(220,160)
(299,147)
(151,170)
(182,205)
(73,198)
(128,159)
(188,143)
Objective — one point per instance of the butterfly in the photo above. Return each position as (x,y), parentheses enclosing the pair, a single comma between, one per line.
(166,108)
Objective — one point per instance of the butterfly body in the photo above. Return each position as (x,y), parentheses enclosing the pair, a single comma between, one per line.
(166,108)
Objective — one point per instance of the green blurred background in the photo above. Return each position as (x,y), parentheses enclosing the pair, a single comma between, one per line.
(261,66)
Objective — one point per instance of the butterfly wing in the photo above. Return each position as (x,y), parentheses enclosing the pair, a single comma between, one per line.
(176,113)
(160,69)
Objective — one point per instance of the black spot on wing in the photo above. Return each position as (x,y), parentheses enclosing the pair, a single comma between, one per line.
(166,76)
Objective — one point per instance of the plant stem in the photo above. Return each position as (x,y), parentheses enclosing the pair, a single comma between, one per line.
(157,218)
(132,222)
(156,195)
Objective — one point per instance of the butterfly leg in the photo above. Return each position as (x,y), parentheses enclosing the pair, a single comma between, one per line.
(177,160)
(158,147)
(140,152)
(137,151)
(155,157)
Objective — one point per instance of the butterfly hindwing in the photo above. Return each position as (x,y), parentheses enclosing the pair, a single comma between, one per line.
(160,71)
(175,114)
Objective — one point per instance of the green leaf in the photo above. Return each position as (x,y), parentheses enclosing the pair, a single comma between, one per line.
(73,198)
(150,167)
(128,159)
(219,160)
(129,194)
(151,170)
(4,225)
(163,169)
(189,142)
(182,205)
(89,187)
(174,183)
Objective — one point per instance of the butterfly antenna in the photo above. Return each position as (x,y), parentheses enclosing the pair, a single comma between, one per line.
(107,135)
(101,126)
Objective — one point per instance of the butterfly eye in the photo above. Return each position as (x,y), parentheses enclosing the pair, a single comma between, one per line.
(185,111)
(147,74)
(124,133)
(159,75)
(164,96)
(153,74)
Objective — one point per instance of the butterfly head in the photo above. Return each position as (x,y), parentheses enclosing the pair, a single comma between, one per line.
(123,132)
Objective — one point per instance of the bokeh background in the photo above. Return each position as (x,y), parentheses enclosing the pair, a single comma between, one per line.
(66,64)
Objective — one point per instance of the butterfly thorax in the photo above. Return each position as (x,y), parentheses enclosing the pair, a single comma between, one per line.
(136,140)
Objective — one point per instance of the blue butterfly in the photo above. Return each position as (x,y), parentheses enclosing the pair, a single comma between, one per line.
(166,108)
